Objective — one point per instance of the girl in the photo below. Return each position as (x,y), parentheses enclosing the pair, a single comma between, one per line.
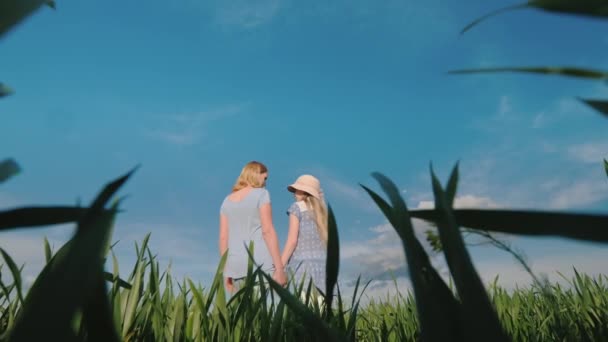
(306,246)
(245,216)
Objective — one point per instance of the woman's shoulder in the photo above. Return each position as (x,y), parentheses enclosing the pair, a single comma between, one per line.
(259,190)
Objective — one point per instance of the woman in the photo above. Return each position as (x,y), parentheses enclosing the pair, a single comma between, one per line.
(246,216)
(306,246)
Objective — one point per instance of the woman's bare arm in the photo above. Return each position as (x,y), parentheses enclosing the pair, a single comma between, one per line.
(272,242)
(223,243)
(292,238)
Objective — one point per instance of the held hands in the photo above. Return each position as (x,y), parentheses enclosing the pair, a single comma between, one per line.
(280,277)
(229,284)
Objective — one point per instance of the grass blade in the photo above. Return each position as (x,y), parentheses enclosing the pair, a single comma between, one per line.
(63,286)
(480,321)
(450,191)
(606,166)
(562,71)
(68,281)
(14,11)
(8,167)
(15,272)
(333,260)
(587,227)
(491,14)
(5,90)
(436,305)
(48,253)
(110,189)
(590,8)
(98,315)
(312,321)
(40,216)
(599,105)
(120,282)
(276,326)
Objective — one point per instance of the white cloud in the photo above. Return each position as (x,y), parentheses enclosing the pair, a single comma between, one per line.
(505,115)
(186,129)
(246,14)
(591,152)
(578,193)
(539,120)
(465,201)
(504,107)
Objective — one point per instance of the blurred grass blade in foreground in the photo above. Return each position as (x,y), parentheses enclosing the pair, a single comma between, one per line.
(587,227)
(435,303)
(14,11)
(71,280)
(478,317)
(5,90)
(333,260)
(15,273)
(599,105)
(314,323)
(589,8)
(8,167)
(556,70)
(39,216)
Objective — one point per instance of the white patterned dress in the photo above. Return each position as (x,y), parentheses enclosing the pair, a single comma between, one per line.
(310,254)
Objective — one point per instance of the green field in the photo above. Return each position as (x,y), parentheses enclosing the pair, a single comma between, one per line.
(150,305)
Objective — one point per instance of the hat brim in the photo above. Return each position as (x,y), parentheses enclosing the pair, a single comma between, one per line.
(307,189)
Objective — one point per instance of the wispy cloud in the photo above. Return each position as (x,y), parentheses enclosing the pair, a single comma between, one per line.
(465,201)
(505,114)
(578,193)
(186,129)
(591,152)
(246,14)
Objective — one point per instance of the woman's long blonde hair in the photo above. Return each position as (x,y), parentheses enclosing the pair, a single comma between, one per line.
(250,176)
(319,209)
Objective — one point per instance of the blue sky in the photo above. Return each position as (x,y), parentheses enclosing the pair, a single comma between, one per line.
(194,89)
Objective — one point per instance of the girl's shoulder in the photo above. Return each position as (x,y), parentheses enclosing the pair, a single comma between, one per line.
(301,205)
(297,208)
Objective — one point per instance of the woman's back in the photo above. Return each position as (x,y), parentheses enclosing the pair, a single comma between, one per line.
(242,211)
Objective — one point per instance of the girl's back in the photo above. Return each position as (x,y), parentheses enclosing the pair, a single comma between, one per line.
(310,254)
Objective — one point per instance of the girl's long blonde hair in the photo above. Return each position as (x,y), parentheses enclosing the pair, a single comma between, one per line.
(319,209)
(250,176)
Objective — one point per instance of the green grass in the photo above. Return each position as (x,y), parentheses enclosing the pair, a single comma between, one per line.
(157,307)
